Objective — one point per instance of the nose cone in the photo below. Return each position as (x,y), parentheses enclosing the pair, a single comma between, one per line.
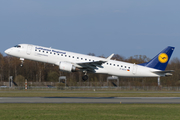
(7,51)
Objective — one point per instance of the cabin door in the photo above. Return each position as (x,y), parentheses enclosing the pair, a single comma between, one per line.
(134,69)
(29,48)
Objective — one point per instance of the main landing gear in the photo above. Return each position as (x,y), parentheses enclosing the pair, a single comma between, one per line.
(85,77)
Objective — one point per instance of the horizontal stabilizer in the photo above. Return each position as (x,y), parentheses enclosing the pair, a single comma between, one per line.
(165,73)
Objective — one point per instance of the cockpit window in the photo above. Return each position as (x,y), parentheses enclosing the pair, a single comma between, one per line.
(17,46)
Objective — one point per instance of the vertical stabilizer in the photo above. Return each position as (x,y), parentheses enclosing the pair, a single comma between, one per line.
(161,60)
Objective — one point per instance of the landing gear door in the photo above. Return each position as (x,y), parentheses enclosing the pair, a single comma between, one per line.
(29,48)
(134,68)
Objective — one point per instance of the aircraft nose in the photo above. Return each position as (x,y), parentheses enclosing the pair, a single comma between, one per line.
(7,51)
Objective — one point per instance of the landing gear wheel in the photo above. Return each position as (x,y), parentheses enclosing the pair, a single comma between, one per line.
(85,77)
(22,61)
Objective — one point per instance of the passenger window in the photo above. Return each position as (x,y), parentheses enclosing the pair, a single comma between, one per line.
(77,57)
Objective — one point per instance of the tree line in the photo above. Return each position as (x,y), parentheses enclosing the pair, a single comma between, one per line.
(43,72)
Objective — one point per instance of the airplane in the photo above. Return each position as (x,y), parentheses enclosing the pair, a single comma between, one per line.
(71,62)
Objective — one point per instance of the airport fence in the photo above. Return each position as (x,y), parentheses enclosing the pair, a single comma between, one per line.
(120,88)
(84,86)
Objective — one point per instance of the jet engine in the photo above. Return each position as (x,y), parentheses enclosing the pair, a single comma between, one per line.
(66,66)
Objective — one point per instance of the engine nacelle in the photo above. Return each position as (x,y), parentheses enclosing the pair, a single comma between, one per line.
(65,66)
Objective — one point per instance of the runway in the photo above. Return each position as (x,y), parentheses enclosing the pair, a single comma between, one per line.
(105,100)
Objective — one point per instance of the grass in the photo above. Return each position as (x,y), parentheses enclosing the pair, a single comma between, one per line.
(40,93)
(89,111)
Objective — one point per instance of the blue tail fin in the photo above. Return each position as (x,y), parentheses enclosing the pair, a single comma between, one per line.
(161,60)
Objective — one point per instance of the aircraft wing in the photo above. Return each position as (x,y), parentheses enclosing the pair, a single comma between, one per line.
(91,66)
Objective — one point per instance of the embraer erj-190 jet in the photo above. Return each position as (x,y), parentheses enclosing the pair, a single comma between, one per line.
(71,62)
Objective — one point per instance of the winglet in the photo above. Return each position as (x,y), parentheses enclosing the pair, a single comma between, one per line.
(110,57)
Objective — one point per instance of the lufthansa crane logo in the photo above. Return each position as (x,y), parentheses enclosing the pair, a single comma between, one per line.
(163,58)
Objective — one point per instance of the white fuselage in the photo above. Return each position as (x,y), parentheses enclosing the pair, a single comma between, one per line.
(54,56)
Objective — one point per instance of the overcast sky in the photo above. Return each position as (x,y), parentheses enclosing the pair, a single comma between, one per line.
(102,27)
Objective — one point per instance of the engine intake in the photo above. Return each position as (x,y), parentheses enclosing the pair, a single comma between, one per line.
(65,66)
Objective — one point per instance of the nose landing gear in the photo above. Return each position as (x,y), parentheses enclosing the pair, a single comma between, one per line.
(22,61)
